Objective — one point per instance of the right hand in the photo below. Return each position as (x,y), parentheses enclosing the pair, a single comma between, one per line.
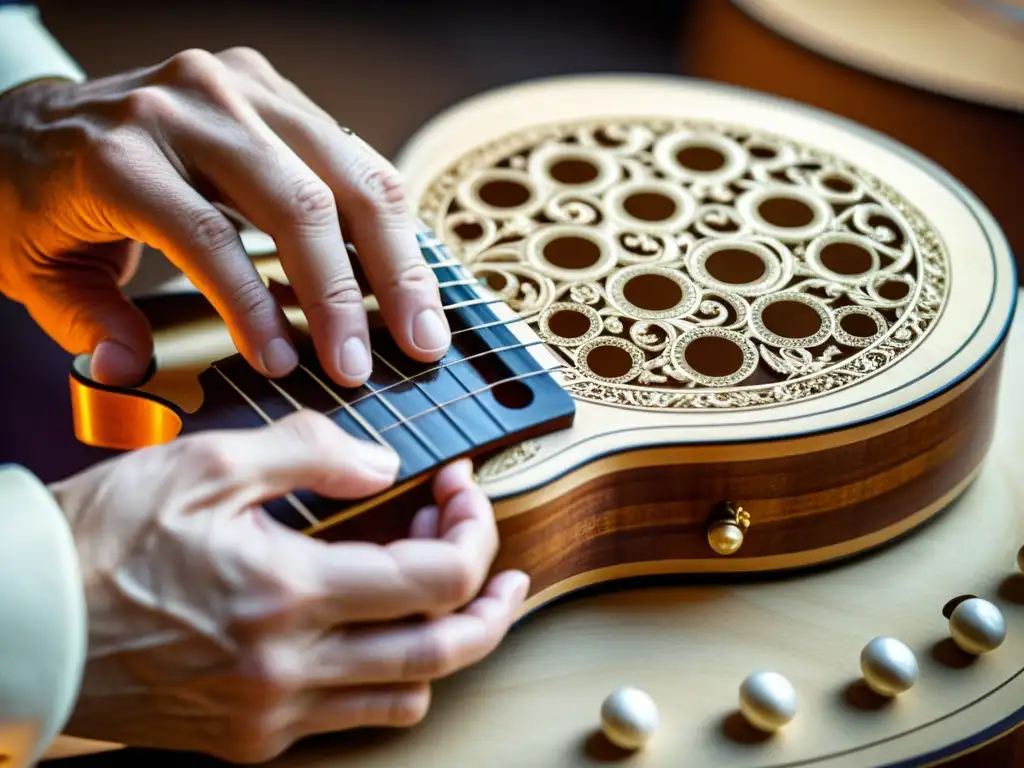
(212,628)
(91,170)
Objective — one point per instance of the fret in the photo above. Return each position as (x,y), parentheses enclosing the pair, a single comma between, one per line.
(363,414)
(439,385)
(495,352)
(405,399)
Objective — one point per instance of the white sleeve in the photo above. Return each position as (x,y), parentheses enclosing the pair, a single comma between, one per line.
(42,618)
(29,52)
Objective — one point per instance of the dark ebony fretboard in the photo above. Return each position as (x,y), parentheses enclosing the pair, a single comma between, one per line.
(489,390)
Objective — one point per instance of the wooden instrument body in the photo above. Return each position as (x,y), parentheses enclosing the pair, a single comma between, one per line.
(835,454)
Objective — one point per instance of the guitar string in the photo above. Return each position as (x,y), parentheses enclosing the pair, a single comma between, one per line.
(402,421)
(429,397)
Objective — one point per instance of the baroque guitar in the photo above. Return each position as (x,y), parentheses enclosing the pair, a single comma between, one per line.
(696,331)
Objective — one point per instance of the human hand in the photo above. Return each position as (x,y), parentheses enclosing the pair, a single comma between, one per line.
(213,628)
(88,171)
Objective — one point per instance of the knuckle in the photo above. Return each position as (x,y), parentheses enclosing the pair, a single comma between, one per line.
(212,233)
(211,456)
(342,291)
(147,104)
(251,299)
(252,739)
(248,58)
(409,708)
(416,277)
(315,431)
(310,202)
(463,582)
(434,656)
(193,67)
(381,194)
(274,678)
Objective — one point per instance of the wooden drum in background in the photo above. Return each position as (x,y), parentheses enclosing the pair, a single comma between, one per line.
(945,77)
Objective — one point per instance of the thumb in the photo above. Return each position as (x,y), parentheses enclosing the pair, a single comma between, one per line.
(81,307)
(303,451)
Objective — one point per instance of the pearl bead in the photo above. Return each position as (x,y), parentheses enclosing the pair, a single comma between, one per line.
(977,626)
(629,718)
(767,700)
(725,537)
(889,666)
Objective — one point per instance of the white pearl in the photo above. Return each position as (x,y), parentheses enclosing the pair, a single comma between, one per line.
(629,718)
(977,626)
(889,666)
(767,700)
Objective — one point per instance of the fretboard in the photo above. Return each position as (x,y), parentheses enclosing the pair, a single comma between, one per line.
(492,387)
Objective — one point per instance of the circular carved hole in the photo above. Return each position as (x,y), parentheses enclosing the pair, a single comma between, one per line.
(504,194)
(734,266)
(469,231)
(948,608)
(573,171)
(764,153)
(652,292)
(700,158)
(893,290)
(605,140)
(846,258)
(861,326)
(837,184)
(609,362)
(513,395)
(568,324)
(495,281)
(572,253)
(790,319)
(713,356)
(649,206)
(786,212)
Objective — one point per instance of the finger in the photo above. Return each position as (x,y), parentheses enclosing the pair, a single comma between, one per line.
(427,651)
(81,306)
(465,512)
(165,212)
(424,524)
(269,185)
(304,450)
(370,197)
(360,582)
(396,706)
(254,72)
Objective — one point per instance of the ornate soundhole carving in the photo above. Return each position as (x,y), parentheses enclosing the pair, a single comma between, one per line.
(690,265)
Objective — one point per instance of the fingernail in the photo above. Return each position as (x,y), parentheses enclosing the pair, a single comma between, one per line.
(430,331)
(112,361)
(279,357)
(354,359)
(520,588)
(379,459)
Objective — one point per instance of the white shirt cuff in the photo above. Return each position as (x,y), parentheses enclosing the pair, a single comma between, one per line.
(29,52)
(43,624)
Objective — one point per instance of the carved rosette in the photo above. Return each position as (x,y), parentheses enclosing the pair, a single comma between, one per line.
(678,264)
